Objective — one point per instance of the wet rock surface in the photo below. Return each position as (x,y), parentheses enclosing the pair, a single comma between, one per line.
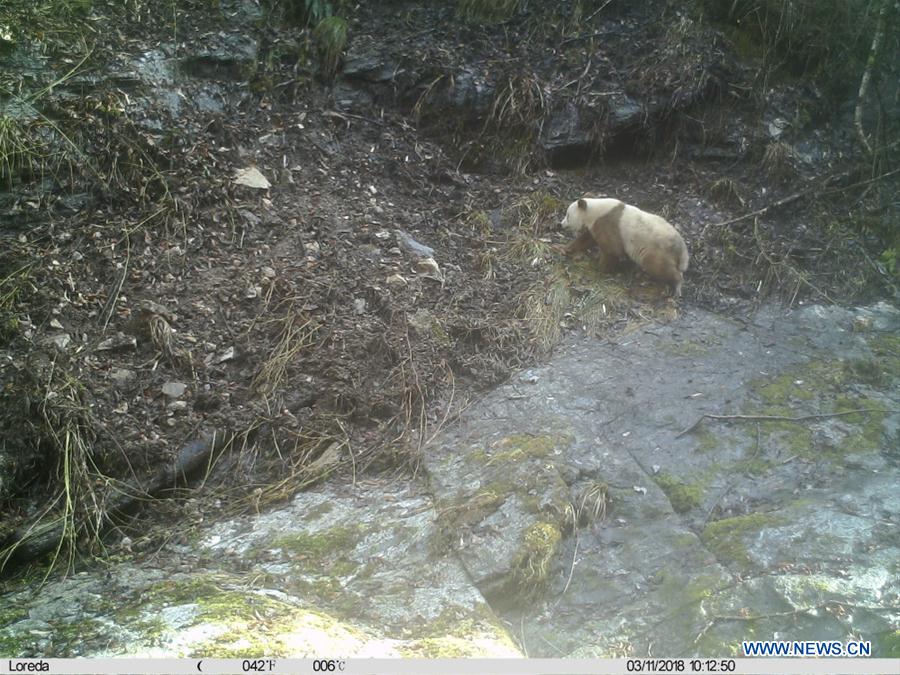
(752,519)
(335,573)
(581,508)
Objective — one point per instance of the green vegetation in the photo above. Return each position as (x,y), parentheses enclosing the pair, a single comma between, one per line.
(824,385)
(868,433)
(524,446)
(20,150)
(886,348)
(330,35)
(13,285)
(827,40)
(307,12)
(487,11)
(726,538)
(327,34)
(319,547)
(682,496)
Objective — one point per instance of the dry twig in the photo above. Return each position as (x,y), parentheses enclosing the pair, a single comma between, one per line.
(782,418)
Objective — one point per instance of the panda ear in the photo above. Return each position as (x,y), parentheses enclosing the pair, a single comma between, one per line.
(582,204)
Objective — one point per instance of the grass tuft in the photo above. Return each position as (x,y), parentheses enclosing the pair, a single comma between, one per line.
(487,11)
(330,35)
(725,191)
(296,335)
(50,410)
(778,159)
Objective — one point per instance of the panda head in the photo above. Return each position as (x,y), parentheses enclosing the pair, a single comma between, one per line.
(576,215)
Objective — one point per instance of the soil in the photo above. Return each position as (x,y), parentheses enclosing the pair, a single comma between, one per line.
(166,303)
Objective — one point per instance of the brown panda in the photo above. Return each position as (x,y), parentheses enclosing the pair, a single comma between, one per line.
(624,231)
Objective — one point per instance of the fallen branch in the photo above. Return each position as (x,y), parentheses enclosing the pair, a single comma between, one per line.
(781,418)
(597,11)
(585,36)
(41,536)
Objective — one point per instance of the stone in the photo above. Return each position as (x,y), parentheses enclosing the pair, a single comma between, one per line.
(409,244)
(174,389)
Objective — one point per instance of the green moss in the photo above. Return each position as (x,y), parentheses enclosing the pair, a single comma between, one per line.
(794,436)
(235,617)
(686,349)
(183,591)
(752,466)
(682,496)
(685,541)
(323,509)
(12,644)
(281,631)
(784,389)
(457,633)
(520,447)
(9,615)
(887,645)
(465,511)
(868,435)
(440,648)
(479,221)
(679,591)
(439,334)
(784,395)
(886,347)
(319,545)
(707,441)
(725,538)
(866,371)
(478,457)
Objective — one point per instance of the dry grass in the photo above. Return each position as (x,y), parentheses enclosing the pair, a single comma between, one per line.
(520,102)
(678,67)
(515,121)
(486,261)
(534,217)
(780,273)
(303,456)
(297,333)
(573,294)
(778,160)
(591,505)
(726,192)
(58,426)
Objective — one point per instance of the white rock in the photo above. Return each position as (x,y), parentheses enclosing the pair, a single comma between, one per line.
(174,389)
(252,178)
(429,269)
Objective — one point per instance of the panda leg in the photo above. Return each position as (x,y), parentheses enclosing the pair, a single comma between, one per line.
(583,242)
(610,262)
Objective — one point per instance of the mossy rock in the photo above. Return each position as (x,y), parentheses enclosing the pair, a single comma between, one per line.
(726,538)
(682,496)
